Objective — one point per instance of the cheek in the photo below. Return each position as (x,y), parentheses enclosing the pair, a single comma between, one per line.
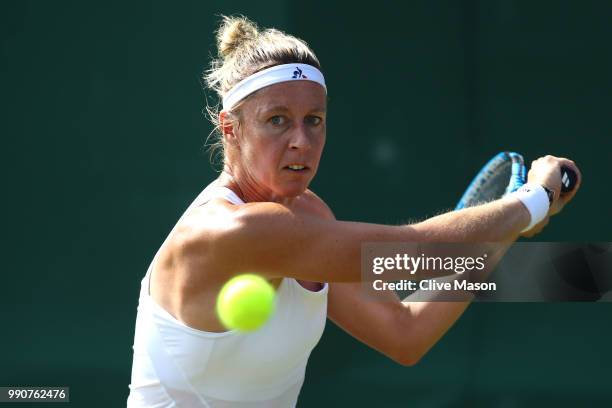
(263,155)
(323,138)
(320,143)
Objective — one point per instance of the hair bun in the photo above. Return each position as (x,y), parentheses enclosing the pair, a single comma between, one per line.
(233,32)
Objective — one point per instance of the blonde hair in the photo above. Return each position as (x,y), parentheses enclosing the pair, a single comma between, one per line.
(244,49)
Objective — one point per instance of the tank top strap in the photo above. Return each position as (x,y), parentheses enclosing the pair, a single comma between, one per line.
(226,193)
(214,191)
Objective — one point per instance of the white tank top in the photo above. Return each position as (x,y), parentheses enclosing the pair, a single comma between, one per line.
(260,369)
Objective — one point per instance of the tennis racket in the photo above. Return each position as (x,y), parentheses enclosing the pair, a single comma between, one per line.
(503,174)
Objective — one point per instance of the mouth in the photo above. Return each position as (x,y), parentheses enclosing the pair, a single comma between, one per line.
(297,168)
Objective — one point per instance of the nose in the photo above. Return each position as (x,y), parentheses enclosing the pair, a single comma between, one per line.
(299,138)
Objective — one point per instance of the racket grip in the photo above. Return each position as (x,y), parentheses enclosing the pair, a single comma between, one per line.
(568,179)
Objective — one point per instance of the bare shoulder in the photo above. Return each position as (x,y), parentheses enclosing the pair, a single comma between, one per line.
(195,262)
(214,241)
(205,244)
(189,250)
(209,231)
(219,218)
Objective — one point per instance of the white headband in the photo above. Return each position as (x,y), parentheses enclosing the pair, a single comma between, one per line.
(271,76)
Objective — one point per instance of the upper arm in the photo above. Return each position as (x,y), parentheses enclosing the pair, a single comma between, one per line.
(276,241)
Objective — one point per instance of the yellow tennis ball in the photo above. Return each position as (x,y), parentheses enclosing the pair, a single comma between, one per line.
(245,302)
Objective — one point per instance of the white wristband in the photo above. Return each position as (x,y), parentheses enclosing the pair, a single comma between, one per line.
(535,199)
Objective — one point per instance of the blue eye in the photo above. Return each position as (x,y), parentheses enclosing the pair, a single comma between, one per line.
(277,120)
(314,120)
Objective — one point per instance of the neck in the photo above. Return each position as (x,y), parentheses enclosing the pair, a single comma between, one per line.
(247,191)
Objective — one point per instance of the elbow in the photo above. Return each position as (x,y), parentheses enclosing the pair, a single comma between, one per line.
(407,355)
(407,360)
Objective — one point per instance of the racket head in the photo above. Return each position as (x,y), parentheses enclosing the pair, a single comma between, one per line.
(503,174)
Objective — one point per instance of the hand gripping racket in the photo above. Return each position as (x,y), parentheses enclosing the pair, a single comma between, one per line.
(503,174)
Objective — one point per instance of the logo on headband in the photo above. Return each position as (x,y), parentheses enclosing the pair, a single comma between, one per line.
(297,74)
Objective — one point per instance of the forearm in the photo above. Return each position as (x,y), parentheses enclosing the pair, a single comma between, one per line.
(427,320)
(424,324)
(498,221)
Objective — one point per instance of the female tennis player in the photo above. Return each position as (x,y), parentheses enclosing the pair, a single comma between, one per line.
(259,216)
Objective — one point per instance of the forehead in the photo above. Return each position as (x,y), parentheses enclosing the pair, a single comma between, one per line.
(294,95)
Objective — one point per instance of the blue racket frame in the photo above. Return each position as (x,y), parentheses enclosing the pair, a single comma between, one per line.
(484,186)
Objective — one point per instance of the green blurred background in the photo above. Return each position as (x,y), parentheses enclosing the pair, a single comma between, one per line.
(103,135)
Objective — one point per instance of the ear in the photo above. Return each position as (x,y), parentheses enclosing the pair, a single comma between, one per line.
(226,124)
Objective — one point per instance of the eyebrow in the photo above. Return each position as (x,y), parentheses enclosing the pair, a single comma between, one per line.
(277,108)
(282,108)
